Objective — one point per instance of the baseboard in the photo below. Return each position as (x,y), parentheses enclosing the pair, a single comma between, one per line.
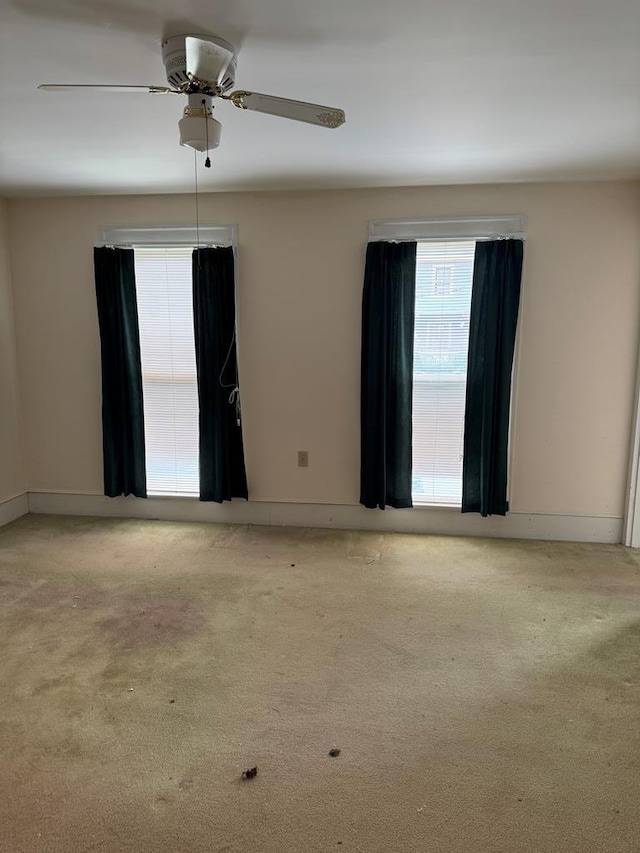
(13,508)
(437,521)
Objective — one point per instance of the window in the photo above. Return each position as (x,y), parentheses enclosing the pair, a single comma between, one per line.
(444,273)
(169,380)
(164,292)
(444,278)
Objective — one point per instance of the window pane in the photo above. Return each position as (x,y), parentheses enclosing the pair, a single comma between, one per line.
(444,276)
(169,381)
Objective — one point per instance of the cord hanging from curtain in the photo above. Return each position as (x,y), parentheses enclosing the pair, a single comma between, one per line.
(122,406)
(222,468)
(388,316)
(495,301)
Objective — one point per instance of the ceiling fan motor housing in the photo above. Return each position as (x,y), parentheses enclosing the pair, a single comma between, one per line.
(174,57)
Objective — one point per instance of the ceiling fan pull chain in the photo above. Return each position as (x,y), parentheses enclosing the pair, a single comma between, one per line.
(195,175)
(207,162)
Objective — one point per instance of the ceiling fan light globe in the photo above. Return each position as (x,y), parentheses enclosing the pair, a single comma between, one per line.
(194,133)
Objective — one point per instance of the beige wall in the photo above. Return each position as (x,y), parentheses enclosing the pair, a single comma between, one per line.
(12,481)
(300,280)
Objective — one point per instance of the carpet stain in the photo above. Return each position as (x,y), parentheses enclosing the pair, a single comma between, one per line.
(49,684)
(162,801)
(151,619)
(620,653)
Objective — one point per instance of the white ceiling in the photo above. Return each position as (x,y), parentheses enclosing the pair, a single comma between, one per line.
(455,91)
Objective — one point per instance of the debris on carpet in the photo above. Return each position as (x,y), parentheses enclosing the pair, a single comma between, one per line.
(251,773)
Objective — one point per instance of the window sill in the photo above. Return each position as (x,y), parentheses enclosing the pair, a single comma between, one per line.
(173,495)
(417,504)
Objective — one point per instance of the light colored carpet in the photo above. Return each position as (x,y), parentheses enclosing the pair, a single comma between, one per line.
(485,695)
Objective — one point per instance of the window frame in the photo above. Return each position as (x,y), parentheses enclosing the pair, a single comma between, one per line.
(201,236)
(441,230)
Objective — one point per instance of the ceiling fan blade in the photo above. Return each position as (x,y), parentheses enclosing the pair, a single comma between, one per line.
(286,108)
(206,60)
(116,87)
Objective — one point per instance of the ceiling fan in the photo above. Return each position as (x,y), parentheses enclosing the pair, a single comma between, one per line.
(203,68)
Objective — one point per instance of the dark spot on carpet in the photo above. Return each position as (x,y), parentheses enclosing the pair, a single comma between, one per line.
(618,654)
(148,620)
(51,684)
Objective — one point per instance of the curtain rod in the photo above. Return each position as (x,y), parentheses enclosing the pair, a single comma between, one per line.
(446,238)
(101,245)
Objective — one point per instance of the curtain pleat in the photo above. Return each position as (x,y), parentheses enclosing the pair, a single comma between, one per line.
(222,468)
(388,316)
(122,406)
(495,301)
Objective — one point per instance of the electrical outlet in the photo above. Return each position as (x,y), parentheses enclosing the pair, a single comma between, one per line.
(303,459)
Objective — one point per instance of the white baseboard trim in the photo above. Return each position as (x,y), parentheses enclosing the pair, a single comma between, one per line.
(13,508)
(437,521)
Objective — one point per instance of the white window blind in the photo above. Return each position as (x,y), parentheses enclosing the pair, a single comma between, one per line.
(169,381)
(444,275)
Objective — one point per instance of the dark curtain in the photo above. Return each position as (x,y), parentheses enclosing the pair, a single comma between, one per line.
(495,299)
(222,471)
(122,408)
(388,312)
